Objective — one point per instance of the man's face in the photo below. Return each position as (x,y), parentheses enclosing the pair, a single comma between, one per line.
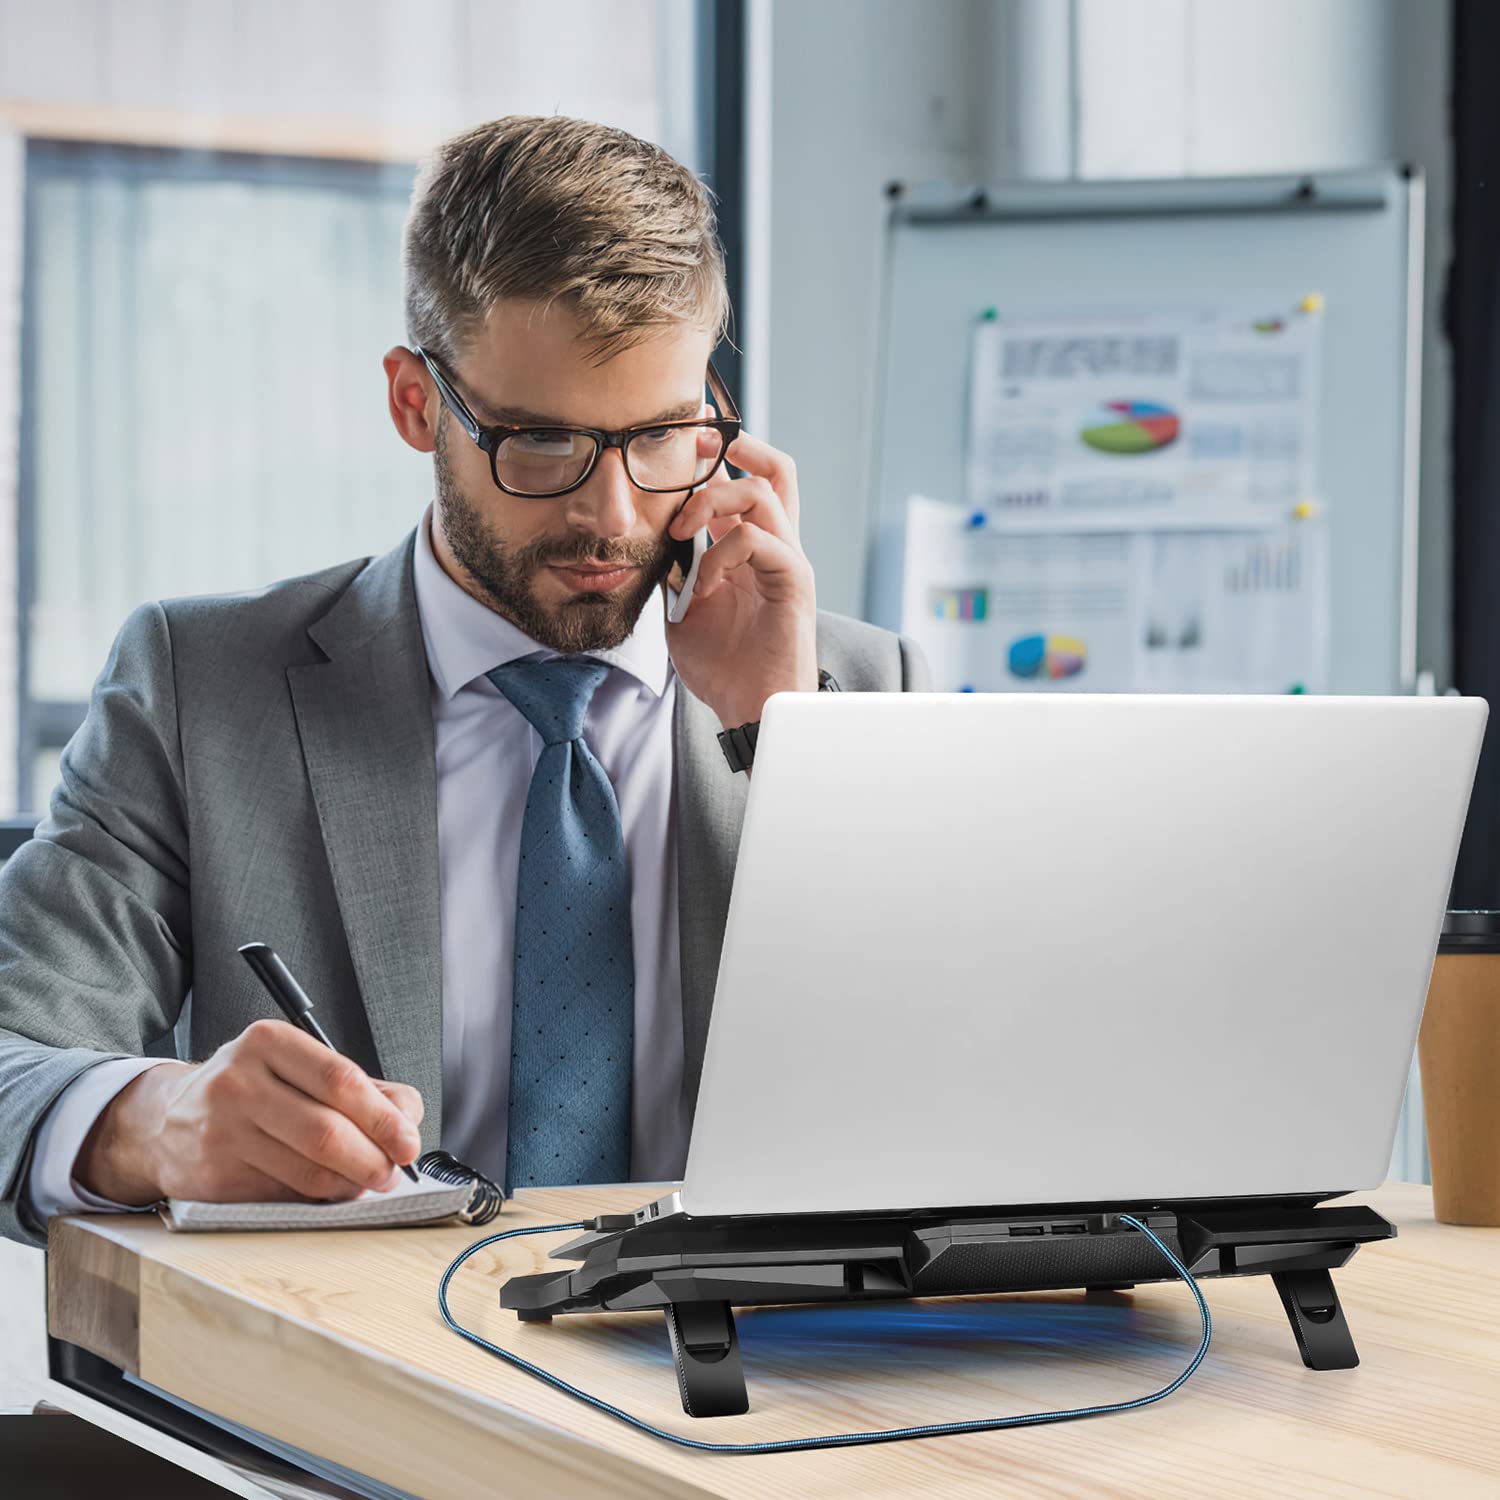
(573,571)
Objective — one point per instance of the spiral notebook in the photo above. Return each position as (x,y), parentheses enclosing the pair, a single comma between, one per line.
(445,1189)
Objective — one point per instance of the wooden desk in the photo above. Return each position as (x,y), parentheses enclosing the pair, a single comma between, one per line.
(333,1342)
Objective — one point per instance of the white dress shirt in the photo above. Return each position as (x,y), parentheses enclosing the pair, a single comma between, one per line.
(485,753)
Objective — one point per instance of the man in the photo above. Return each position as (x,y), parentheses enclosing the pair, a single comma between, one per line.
(472,791)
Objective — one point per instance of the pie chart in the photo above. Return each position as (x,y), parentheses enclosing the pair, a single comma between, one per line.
(1131,427)
(1051,656)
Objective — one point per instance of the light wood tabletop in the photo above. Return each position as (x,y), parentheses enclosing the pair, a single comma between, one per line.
(332,1341)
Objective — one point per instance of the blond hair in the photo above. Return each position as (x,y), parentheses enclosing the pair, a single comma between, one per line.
(547,208)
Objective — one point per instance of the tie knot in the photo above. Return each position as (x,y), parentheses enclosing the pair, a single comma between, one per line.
(554,695)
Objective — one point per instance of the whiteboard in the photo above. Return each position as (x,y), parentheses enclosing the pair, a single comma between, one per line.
(1354,236)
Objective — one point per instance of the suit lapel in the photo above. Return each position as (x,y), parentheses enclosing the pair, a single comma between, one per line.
(710,811)
(365,719)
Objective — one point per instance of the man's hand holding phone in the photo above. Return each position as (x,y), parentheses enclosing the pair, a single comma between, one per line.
(751,627)
(272,1115)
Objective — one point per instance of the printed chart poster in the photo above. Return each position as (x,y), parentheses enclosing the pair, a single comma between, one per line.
(999,610)
(1200,417)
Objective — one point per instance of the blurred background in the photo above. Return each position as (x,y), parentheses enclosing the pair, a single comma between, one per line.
(201,203)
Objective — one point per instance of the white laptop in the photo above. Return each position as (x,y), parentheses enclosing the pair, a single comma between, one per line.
(1009,950)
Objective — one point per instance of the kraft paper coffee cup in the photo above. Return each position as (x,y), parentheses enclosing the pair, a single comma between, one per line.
(1459,1051)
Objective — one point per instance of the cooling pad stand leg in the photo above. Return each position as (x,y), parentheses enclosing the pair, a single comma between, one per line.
(706,1351)
(1317,1319)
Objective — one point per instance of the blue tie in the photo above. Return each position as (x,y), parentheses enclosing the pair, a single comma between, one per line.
(573,1009)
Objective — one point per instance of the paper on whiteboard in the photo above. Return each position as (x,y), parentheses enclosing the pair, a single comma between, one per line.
(998,610)
(1187,417)
(971,599)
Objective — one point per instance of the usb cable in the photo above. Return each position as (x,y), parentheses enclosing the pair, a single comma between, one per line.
(835,1440)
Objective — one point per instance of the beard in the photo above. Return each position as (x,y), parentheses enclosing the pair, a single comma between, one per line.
(504,578)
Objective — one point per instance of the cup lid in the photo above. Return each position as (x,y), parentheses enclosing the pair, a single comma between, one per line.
(1470,932)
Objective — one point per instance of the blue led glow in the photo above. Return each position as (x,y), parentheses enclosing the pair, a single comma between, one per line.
(907,1329)
(851,1439)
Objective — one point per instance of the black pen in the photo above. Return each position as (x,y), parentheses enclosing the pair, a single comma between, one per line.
(291,997)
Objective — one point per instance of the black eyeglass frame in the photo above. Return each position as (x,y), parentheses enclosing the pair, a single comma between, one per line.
(489,439)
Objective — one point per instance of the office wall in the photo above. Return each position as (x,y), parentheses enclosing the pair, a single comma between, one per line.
(1170,88)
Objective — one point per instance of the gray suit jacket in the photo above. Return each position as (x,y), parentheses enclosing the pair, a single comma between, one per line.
(260,767)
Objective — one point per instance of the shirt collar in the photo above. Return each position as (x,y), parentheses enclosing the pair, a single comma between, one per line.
(465,639)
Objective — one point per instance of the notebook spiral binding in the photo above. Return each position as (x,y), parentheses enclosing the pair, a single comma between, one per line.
(484,1201)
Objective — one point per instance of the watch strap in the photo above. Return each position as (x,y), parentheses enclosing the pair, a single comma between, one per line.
(738,744)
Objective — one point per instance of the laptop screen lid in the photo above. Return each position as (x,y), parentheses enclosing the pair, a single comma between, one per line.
(1012,949)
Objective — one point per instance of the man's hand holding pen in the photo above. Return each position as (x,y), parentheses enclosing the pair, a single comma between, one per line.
(272,1115)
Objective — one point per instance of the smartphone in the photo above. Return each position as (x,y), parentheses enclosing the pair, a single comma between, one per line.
(688,555)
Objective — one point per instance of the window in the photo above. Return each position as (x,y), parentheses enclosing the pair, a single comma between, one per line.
(201,392)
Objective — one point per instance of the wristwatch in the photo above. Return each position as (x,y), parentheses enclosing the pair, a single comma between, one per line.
(738,744)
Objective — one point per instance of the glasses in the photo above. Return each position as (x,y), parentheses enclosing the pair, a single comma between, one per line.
(538,463)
